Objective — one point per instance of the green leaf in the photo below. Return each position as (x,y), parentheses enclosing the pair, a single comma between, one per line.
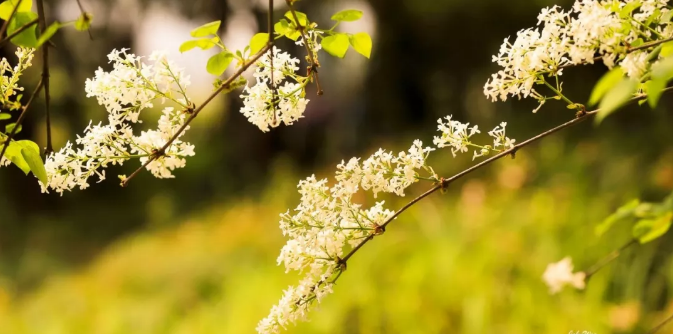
(48,33)
(10,127)
(303,20)
(7,7)
(647,230)
(258,41)
(4,116)
(206,29)
(347,15)
(663,69)
(628,9)
(84,21)
(667,49)
(616,97)
(219,62)
(624,212)
(336,44)
(603,85)
(31,154)
(27,37)
(282,27)
(14,155)
(654,90)
(362,43)
(203,43)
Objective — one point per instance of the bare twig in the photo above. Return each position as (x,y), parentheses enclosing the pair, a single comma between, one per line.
(11,15)
(81,9)
(45,74)
(609,258)
(196,112)
(16,32)
(21,117)
(661,325)
(274,90)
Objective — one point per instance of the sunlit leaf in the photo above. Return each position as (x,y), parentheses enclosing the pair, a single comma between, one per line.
(303,20)
(84,21)
(218,63)
(26,38)
(258,41)
(203,43)
(606,83)
(14,155)
(48,33)
(7,7)
(362,43)
(347,15)
(616,97)
(31,154)
(10,127)
(624,212)
(206,29)
(647,230)
(336,44)
(4,116)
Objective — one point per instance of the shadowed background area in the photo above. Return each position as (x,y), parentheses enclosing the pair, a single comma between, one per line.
(196,254)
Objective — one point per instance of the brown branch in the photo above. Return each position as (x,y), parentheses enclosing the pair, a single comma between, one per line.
(649,44)
(313,63)
(609,258)
(21,117)
(45,74)
(274,90)
(196,112)
(16,32)
(11,15)
(661,325)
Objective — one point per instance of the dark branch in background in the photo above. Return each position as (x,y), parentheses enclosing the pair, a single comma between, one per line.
(313,64)
(274,91)
(81,10)
(11,15)
(195,112)
(21,117)
(17,31)
(45,73)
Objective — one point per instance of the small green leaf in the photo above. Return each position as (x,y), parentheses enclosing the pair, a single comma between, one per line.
(362,43)
(638,42)
(282,27)
(219,62)
(48,33)
(203,43)
(206,29)
(27,37)
(347,15)
(7,7)
(14,155)
(647,230)
(603,85)
(624,212)
(336,44)
(303,20)
(84,21)
(10,127)
(654,90)
(663,69)
(628,9)
(616,97)
(258,41)
(4,116)
(666,49)
(33,159)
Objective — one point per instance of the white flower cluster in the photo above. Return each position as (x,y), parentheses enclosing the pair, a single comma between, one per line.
(457,136)
(327,220)
(130,87)
(592,28)
(557,275)
(267,104)
(313,42)
(9,78)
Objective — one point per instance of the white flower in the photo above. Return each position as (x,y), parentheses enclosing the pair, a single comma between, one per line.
(557,275)
(635,64)
(455,135)
(500,139)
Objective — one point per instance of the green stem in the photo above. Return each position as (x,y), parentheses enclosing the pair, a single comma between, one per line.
(558,92)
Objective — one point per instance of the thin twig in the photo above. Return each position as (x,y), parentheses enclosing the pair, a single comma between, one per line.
(21,117)
(607,259)
(661,325)
(11,15)
(16,32)
(196,112)
(274,91)
(649,44)
(444,182)
(45,74)
(313,63)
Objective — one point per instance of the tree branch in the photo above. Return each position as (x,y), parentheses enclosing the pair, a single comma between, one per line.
(21,117)
(313,63)
(11,15)
(196,112)
(661,325)
(45,74)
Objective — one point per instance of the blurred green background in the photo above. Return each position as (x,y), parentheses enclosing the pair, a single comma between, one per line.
(197,254)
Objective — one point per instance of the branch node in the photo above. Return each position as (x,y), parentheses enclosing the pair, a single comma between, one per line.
(513,152)
(379,229)
(341,263)
(443,184)
(581,111)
